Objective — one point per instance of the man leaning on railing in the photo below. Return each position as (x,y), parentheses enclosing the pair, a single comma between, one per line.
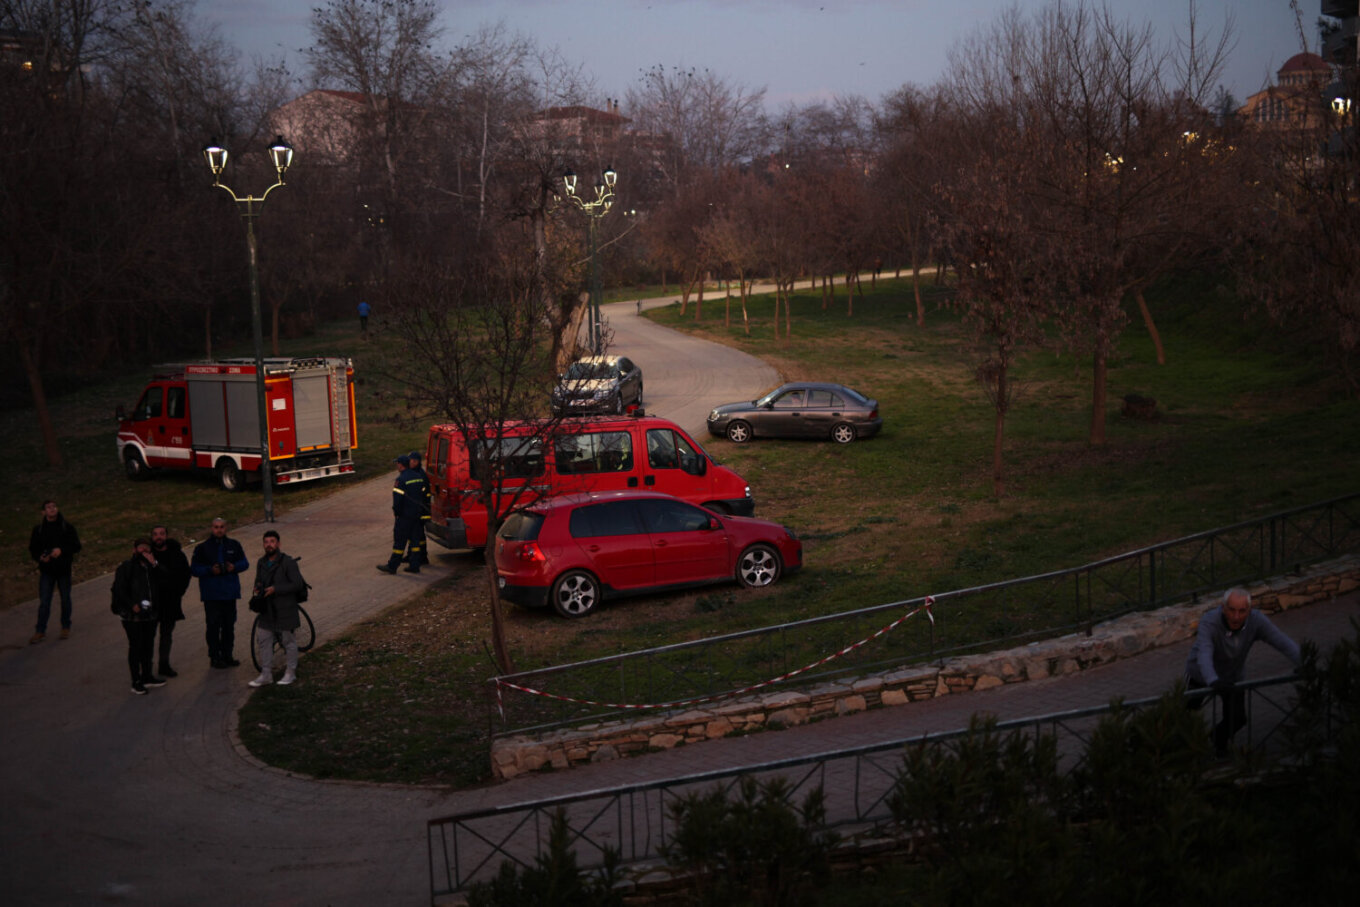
(1218,658)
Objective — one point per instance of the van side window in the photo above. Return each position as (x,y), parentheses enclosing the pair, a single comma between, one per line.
(672,516)
(441,455)
(603,451)
(668,449)
(517,458)
(661,449)
(612,518)
(174,402)
(822,399)
(149,407)
(790,400)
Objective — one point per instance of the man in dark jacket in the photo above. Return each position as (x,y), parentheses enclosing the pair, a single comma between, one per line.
(54,544)
(174,582)
(410,504)
(277,584)
(136,588)
(218,562)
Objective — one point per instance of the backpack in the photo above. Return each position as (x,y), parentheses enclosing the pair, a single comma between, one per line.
(301,593)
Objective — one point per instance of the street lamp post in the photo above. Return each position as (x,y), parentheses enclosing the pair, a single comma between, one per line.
(594,210)
(281,154)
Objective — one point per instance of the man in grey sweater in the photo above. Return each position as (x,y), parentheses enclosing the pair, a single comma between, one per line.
(1218,658)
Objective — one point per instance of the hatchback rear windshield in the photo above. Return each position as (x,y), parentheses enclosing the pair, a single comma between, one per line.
(522,526)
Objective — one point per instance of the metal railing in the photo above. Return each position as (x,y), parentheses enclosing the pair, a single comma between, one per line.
(635,820)
(966,620)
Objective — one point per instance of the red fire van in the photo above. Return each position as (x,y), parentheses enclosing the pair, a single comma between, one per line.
(585,454)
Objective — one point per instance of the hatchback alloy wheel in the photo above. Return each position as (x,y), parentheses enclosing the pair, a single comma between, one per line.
(575,594)
(759,566)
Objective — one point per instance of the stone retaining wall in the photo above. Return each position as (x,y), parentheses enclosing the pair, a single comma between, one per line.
(1110,641)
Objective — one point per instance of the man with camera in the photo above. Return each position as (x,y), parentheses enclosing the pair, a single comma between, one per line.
(137,586)
(277,584)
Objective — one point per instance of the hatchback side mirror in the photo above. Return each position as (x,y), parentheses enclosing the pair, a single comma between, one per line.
(714,523)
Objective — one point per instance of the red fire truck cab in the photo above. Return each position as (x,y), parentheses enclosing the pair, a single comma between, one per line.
(205,416)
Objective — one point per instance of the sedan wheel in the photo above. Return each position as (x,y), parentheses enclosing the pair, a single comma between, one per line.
(738,432)
(759,566)
(843,433)
(575,594)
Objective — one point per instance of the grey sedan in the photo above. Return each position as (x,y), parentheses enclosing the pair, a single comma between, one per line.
(803,409)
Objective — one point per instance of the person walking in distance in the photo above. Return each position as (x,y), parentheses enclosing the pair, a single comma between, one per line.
(137,585)
(277,584)
(54,545)
(409,496)
(364,310)
(218,562)
(175,577)
(1218,658)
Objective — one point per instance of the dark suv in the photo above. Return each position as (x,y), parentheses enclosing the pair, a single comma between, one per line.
(598,384)
(576,550)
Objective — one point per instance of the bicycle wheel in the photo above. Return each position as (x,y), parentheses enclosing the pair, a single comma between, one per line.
(304,636)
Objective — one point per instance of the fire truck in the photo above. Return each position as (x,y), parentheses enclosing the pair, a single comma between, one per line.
(205,417)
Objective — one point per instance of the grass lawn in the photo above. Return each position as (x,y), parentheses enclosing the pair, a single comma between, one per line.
(1246,425)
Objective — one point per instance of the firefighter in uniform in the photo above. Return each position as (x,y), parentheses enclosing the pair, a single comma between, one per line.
(419,552)
(409,504)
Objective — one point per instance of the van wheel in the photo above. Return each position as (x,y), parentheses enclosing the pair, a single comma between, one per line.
(738,432)
(843,433)
(758,566)
(135,466)
(229,475)
(575,594)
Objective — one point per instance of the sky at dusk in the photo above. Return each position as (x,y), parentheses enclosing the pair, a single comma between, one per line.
(799,51)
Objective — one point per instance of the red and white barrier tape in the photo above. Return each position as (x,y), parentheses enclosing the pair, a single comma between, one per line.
(925,606)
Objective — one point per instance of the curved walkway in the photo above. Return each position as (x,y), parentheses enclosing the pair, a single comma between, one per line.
(111,798)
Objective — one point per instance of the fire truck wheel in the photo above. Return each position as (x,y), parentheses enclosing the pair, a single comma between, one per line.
(135,466)
(228,475)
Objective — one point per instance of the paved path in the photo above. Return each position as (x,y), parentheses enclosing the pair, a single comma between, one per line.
(111,798)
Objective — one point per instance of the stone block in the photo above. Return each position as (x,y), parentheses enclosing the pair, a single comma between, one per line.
(848,704)
(789,717)
(987,682)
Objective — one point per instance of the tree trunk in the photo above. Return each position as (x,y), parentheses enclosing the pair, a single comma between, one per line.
(849,293)
(727,311)
(745,315)
(788,314)
(999,433)
(35,387)
(699,302)
(916,287)
(207,331)
(1152,328)
(499,649)
(1098,398)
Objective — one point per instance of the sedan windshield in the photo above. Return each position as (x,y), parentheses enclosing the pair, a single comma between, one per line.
(590,371)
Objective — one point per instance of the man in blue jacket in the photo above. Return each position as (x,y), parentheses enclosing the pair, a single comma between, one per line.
(218,562)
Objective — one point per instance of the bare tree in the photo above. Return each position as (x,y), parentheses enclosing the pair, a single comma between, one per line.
(1118,181)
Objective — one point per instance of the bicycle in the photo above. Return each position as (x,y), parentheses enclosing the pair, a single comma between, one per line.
(304,635)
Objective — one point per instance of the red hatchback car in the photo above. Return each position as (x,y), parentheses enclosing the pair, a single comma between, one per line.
(576,550)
